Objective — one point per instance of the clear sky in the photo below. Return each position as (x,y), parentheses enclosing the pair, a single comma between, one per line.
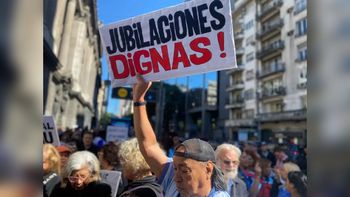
(110,11)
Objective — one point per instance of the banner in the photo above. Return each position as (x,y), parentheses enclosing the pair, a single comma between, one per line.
(112,178)
(117,133)
(50,132)
(191,38)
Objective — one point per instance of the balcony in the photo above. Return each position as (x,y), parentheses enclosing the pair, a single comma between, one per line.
(240,67)
(271,70)
(283,116)
(240,123)
(270,8)
(269,93)
(267,29)
(237,103)
(236,86)
(239,35)
(271,48)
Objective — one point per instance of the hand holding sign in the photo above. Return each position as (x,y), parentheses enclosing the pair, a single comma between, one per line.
(140,89)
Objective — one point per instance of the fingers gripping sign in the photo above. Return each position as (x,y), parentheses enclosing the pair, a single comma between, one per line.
(140,89)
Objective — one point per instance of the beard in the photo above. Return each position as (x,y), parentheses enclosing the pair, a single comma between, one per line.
(230,174)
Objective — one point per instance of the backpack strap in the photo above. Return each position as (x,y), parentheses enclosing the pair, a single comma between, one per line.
(147,186)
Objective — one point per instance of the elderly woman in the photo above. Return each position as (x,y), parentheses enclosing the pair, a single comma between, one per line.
(81,177)
(51,168)
(137,171)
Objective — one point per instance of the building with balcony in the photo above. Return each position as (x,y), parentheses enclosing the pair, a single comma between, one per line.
(72,67)
(266,95)
(282,104)
(240,103)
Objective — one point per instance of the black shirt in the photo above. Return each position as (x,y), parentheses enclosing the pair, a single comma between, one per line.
(93,189)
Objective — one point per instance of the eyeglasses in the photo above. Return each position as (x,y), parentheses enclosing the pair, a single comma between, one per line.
(77,177)
(228,162)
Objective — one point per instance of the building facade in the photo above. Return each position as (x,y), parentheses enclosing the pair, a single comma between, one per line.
(72,67)
(267,93)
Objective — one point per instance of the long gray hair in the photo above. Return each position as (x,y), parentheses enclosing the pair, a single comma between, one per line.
(217,179)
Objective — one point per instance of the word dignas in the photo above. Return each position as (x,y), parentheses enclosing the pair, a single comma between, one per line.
(149,61)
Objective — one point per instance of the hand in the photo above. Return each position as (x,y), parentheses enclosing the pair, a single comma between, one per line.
(140,89)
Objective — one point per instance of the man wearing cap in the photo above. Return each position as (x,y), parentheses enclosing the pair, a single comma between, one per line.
(192,171)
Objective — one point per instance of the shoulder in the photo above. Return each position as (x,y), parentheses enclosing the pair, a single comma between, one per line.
(167,172)
(101,186)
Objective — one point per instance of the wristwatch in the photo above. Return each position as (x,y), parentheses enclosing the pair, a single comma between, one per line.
(137,104)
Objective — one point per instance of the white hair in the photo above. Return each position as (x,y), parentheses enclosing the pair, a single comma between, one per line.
(79,160)
(225,146)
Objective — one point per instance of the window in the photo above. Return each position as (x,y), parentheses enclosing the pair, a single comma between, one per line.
(249,57)
(249,40)
(249,25)
(249,113)
(302,53)
(301,27)
(300,5)
(249,94)
(249,75)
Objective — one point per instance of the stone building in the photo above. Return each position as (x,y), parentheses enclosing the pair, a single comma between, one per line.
(72,67)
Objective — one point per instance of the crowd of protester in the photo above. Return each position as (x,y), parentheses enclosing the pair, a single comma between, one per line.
(190,167)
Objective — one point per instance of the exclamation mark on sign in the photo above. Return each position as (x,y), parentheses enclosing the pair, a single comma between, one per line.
(221,41)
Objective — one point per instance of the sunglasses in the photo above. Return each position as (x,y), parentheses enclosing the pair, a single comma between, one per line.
(228,162)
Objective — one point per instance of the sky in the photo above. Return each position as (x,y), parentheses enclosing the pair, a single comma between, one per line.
(110,11)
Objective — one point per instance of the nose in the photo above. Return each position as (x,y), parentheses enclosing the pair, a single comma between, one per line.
(79,182)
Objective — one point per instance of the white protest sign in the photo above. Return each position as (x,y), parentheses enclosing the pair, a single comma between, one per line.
(112,178)
(117,133)
(50,132)
(191,38)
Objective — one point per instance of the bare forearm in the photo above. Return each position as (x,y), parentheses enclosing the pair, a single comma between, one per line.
(145,134)
(149,147)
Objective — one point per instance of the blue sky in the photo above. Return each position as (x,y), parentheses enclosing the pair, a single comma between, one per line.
(110,11)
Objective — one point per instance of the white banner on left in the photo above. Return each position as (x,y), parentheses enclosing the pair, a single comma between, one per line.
(50,131)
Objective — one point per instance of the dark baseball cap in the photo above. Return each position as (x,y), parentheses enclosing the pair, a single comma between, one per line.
(196,149)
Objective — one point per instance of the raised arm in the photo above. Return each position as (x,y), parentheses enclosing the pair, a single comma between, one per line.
(153,154)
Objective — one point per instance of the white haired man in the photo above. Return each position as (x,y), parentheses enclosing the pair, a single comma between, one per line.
(227,158)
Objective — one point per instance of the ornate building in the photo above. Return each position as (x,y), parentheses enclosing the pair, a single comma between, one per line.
(72,67)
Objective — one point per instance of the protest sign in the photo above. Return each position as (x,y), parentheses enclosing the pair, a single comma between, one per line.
(50,132)
(117,133)
(191,38)
(112,178)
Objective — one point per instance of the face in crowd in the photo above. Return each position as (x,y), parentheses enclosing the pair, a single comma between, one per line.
(191,176)
(247,160)
(87,139)
(229,161)
(80,178)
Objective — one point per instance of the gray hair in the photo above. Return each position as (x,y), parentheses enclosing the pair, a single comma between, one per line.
(225,146)
(79,160)
(217,177)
